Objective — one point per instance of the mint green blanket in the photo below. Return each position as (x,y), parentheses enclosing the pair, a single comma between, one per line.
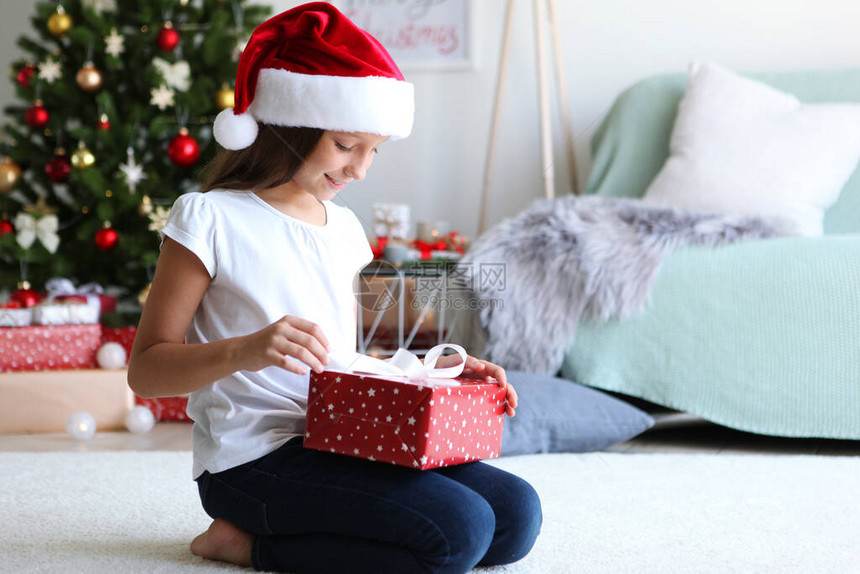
(762,336)
(744,336)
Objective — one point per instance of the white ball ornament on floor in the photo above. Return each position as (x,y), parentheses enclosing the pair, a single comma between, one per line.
(81,426)
(111,356)
(139,420)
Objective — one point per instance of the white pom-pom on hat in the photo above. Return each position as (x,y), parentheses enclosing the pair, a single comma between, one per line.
(233,131)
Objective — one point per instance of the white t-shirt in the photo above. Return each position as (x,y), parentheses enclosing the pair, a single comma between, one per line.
(264,264)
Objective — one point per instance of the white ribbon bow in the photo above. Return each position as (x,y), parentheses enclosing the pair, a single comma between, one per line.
(59,286)
(402,364)
(176,76)
(28,229)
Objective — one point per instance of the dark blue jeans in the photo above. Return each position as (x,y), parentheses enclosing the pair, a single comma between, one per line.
(311,511)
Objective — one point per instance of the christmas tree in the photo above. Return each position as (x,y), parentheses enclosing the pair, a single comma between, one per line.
(117,99)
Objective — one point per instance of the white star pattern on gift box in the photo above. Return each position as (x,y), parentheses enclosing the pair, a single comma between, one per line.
(423,427)
(114,43)
(162,97)
(50,70)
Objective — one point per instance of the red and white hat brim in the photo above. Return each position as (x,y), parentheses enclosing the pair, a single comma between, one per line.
(378,105)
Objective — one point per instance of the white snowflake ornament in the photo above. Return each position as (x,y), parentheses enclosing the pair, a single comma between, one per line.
(114,43)
(50,70)
(158,218)
(162,97)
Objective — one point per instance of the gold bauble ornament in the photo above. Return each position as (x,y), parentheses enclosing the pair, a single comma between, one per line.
(59,22)
(83,158)
(89,78)
(144,293)
(10,173)
(225,98)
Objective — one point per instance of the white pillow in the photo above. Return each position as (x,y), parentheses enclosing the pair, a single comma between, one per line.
(741,146)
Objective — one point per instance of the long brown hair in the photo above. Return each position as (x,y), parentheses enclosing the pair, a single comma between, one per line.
(270,161)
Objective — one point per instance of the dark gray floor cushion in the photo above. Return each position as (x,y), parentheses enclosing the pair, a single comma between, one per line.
(557,415)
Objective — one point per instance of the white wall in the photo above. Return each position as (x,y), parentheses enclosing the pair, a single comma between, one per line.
(607,46)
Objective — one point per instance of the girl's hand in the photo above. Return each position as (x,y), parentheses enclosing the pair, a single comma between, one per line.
(488,371)
(286,339)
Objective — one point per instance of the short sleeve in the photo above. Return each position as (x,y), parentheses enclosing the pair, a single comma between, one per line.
(192,224)
(364,254)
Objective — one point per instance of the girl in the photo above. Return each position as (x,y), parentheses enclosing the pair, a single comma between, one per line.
(256,276)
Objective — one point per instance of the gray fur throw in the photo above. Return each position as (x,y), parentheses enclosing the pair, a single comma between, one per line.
(580,258)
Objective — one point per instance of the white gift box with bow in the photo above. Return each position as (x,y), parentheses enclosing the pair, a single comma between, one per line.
(88,312)
(55,311)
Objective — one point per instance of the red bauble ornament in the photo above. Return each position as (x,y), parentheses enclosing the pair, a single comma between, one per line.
(37,116)
(58,167)
(24,74)
(104,122)
(25,296)
(6,227)
(168,38)
(106,238)
(183,150)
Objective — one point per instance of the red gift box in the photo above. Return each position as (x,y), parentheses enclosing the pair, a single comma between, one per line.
(49,348)
(108,303)
(416,424)
(166,408)
(122,335)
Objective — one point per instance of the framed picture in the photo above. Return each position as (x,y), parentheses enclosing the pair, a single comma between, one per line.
(419,34)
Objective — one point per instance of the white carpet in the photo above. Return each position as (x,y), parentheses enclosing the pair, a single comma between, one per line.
(614,513)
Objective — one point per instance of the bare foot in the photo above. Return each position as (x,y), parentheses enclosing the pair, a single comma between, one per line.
(224,541)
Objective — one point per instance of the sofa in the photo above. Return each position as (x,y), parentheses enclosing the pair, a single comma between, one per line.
(760,336)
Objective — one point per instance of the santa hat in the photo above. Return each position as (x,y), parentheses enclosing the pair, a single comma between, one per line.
(312,67)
